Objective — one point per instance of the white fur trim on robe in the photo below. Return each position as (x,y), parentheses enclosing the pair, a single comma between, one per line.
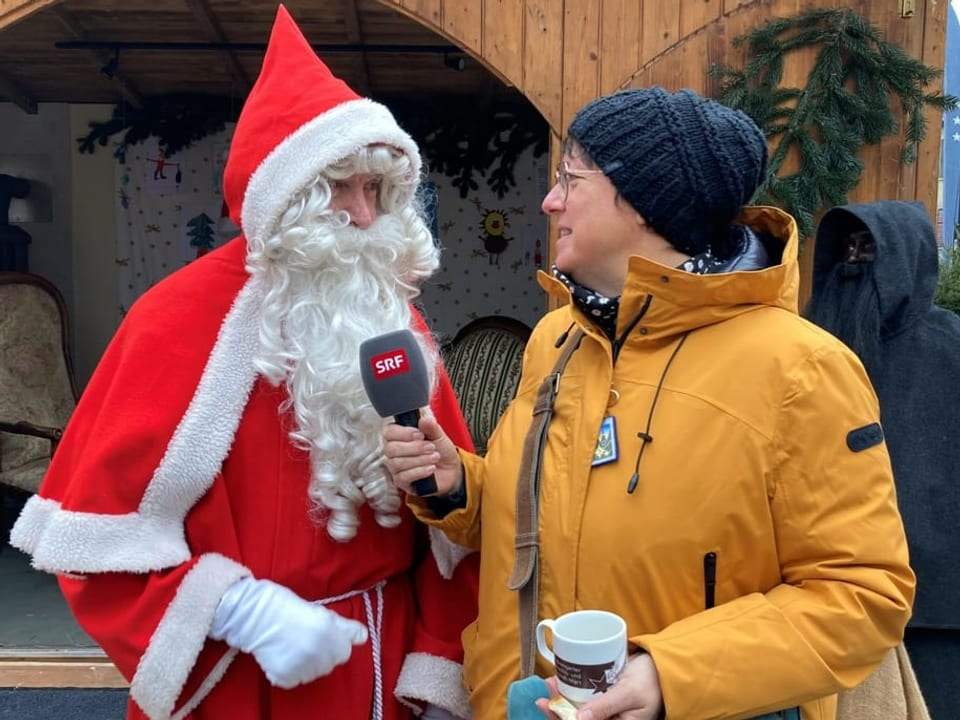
(152,538)
(446,552)
(176,643)
(428,676)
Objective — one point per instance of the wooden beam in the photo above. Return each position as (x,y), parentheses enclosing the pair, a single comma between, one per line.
(13,11)
(351,18)
(14,94)
(80,668)
(932,52)
(99,58)
(214,32)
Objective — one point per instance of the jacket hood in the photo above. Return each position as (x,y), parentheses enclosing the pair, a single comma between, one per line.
(682,301)
(906,265)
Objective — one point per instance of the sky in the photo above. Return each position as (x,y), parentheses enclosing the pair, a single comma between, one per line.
(951,129)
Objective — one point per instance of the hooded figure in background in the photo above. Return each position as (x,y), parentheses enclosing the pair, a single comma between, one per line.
(875,274)
(218,512)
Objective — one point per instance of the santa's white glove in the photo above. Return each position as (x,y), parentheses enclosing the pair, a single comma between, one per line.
(294,641)
(432,712)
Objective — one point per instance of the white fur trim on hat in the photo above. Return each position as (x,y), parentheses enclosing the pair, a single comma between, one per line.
(298,159)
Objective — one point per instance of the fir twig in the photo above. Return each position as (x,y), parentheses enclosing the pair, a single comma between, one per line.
(856,80)
(948,284)
(459,141)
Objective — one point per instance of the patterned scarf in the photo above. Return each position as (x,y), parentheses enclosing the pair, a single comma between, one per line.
(603,310)
(599,308)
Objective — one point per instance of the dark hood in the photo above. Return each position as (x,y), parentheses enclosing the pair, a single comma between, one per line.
(906,265)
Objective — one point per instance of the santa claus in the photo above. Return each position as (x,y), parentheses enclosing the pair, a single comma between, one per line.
(218,512)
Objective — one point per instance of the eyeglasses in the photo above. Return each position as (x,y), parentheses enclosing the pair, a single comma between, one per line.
(564,175)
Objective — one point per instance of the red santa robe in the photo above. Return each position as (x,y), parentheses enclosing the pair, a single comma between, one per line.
(176,477)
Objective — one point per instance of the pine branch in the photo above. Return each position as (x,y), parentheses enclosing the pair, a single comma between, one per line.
(459,142)
(463,143)
(856,80)
(176,120)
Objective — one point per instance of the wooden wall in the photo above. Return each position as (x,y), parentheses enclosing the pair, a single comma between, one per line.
(13,10)
(563,53)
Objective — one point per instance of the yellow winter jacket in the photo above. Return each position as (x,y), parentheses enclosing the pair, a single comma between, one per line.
(761,559)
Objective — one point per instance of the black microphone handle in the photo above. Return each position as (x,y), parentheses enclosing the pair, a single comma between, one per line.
(423,486)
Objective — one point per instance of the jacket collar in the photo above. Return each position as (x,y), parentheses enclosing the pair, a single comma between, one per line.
(682,301)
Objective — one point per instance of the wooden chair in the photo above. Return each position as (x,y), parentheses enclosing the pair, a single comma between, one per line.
(484,360)
(38,390)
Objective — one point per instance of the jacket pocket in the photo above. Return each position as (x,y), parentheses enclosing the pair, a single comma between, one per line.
(709,600)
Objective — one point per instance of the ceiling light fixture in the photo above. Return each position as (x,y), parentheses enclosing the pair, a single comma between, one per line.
(455,62)
(110,67)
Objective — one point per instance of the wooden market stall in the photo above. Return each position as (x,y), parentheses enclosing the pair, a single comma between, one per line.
(563,53)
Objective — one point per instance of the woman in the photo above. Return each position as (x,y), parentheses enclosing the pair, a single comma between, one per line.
(714,470)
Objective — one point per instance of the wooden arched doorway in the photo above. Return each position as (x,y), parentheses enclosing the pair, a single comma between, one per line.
(563,53)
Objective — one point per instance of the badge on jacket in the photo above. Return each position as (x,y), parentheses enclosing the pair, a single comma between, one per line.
(865,437)
(607,450)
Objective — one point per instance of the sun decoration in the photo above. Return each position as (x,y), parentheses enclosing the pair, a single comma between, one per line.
(494,223)
(493,227)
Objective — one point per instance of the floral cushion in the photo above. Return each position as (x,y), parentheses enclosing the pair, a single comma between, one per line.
(484,364)
(34,379)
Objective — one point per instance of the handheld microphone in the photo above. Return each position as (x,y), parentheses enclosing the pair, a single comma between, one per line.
(395,378)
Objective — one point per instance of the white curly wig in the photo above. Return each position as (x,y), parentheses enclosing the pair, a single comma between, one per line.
(330,286)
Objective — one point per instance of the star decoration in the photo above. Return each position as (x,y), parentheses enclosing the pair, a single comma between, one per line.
(601,684)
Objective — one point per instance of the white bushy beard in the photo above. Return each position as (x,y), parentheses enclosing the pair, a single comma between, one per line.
(329,289)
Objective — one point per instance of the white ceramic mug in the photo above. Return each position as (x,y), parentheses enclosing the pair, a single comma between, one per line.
(589,651)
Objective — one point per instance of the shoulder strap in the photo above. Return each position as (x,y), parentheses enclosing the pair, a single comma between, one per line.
(524,577)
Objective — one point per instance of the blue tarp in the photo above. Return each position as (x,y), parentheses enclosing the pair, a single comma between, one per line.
(950,162)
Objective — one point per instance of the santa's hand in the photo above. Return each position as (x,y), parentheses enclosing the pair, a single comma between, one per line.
(293,641)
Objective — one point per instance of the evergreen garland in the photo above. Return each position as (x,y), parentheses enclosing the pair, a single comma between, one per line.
(456,137)
(176,120)
(847,103)
(460,139)
(948,282)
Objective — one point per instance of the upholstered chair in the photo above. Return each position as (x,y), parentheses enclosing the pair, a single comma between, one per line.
(38,391)
(484,362)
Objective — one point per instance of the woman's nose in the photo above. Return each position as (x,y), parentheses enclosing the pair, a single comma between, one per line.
(553,200)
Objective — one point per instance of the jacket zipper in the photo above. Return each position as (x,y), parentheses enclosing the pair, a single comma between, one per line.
(709,579)
(618,343)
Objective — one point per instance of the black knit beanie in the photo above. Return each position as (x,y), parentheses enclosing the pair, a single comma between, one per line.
(687,164)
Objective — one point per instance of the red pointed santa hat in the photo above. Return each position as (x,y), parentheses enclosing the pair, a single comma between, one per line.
(297,120)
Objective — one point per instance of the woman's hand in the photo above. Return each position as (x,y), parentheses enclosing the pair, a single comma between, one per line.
(635,696)
(415,453)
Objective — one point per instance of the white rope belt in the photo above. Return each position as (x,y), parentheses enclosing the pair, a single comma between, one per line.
(375,627)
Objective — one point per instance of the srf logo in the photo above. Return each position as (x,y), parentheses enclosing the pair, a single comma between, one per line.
(390,363)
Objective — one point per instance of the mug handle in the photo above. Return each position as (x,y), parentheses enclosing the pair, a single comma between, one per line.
(542,641)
